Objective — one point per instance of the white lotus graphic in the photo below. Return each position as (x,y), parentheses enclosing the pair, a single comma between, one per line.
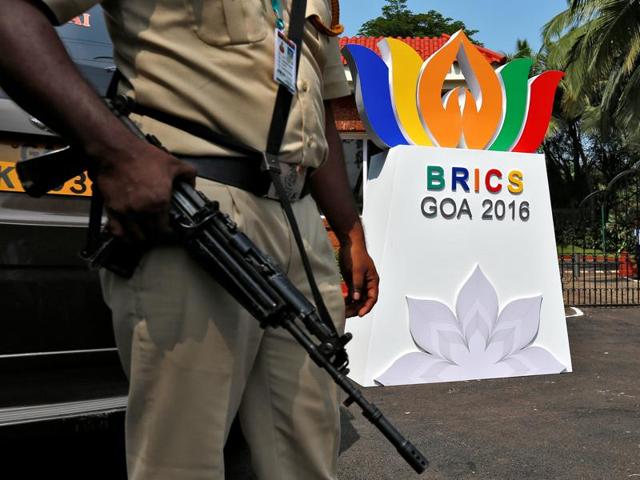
(475,342)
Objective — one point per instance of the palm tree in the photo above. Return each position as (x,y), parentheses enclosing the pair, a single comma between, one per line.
(523,49)
(597,43)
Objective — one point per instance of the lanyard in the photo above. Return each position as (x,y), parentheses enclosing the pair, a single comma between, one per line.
(277,9)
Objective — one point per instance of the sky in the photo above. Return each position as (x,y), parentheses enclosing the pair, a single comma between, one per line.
(500,22)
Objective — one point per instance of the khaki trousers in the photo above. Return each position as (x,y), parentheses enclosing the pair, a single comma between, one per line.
(195,358)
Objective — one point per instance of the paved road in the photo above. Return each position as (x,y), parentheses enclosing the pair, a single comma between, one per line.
(582,425)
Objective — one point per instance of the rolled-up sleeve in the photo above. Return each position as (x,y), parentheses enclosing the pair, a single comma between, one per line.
(65,10)
(335,82)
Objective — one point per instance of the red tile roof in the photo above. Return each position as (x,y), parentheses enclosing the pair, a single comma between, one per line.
(346,115)
(425,46)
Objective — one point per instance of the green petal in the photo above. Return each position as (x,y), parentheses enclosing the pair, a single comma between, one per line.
(515,81)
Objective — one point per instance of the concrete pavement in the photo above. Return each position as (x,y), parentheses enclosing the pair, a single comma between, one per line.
(582,425)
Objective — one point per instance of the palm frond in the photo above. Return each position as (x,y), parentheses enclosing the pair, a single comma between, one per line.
(597,43)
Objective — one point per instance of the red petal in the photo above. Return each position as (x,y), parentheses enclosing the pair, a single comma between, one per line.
(543,89)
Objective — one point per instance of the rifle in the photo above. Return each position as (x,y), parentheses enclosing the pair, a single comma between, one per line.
(247,273)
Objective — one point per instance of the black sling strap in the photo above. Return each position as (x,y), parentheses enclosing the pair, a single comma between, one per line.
(92,245)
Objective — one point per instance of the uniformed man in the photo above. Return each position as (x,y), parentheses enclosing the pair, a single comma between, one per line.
(193,356)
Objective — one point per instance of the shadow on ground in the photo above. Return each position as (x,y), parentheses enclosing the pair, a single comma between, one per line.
(582,425)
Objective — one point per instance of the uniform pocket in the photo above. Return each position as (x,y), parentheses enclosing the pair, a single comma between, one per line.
(229,22)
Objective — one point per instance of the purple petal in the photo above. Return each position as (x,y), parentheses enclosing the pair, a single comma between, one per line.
(412,368)
(518,367)
(373,95)
(534,361)
(503,340)
(451,347)
(477,325)
(433,326)
(477,305)
(522,316)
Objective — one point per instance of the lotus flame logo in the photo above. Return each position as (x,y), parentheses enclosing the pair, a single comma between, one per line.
(400,98)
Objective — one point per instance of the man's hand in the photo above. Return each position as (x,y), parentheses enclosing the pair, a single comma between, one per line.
(330,189)
(136,184)
(361,277)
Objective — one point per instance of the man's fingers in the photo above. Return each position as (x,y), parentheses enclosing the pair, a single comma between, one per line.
(357,280)
(372,298)
(372,293)
(365,309)
(186,173)
(351,309)
(125,226)
(153,224)
(133,231)
(115,227)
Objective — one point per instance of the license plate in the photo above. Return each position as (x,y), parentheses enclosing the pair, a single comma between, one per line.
(10,154)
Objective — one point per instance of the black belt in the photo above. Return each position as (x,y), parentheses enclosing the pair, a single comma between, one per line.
(241,172)
(245,171)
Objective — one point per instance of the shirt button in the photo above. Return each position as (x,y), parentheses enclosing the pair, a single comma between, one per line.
(310,143)
(304,85)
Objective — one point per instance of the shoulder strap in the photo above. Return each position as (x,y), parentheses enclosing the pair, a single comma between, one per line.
(284,97)
(194,128)
(97,203)
(274,143)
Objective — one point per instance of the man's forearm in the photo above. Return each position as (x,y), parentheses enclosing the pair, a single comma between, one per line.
(36,71)
(330,188)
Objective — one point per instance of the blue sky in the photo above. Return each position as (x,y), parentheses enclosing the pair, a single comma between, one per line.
(500,22)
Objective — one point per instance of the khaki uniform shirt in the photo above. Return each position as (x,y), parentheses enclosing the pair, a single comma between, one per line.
(212,62)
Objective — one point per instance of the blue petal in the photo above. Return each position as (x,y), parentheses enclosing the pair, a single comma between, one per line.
(373,96)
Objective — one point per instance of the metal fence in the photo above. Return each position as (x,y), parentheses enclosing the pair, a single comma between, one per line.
(598,247)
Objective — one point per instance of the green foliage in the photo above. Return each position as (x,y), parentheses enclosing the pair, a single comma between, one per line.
(605,221)
(580,159)
(597,43)
(623,213)
(577,231)
(594,133)
(523,49)
(398,21)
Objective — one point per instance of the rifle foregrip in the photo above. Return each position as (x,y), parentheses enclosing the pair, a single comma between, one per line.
(49,171)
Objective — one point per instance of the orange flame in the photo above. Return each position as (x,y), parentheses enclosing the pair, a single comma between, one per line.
(465,117)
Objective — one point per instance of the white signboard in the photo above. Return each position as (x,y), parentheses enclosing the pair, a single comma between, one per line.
(470,287)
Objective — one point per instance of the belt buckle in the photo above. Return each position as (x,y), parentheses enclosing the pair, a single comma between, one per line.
(293,178)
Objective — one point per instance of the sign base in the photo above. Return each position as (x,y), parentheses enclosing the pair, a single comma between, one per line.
(470,286)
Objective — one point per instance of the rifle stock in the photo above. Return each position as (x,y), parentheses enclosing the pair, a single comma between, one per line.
(48,171)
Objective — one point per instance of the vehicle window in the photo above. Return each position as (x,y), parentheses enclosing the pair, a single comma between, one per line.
(86,38)
(88,43)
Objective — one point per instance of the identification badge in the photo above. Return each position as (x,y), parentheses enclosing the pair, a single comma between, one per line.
(285,61)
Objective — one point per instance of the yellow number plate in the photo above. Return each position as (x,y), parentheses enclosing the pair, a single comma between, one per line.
(9,181)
